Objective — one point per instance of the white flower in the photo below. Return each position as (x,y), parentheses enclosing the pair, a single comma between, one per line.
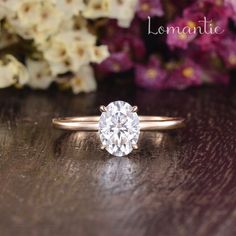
(50,19)
(79,53)
(10,5)
(7,76)
(67,25)
(69,37)
(122,10)
(83,81)
(68,51)
(15,26)
(58,68)
(59,31)
(70,7)
(99,54)
(12,72)
(96,9)
(28,13)
(35,19)
(55,52)
(40,76)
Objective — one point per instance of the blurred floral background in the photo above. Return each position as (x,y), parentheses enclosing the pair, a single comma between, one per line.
(76,43)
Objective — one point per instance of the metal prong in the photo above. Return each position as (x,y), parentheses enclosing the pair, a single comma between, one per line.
(102,108)
(103,147)
(134,109)
(135,146)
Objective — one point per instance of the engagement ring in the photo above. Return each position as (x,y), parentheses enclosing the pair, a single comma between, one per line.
(118,126)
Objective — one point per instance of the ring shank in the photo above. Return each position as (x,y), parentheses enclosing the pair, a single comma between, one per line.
(90,123)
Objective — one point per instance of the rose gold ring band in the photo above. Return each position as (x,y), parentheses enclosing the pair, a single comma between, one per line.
(90,123)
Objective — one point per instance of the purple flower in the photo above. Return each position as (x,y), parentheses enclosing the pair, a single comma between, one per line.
(227,51)
(129,44)
(125,50)
(232,5)
(149,8)
(208,42)
(186,75)
(212,76)
(176,38)
(151,76)
(211,65)
(205,58)
(112,30)
(116,63)
(217,15)
(126,47)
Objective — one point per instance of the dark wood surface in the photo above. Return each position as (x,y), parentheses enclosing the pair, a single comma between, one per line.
(177,184)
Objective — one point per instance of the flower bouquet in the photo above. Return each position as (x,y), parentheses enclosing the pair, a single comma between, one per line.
(163,44)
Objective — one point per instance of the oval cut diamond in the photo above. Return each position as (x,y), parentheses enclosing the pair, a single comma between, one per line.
(119,128)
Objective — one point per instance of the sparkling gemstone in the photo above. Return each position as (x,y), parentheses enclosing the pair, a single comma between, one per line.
(119,128)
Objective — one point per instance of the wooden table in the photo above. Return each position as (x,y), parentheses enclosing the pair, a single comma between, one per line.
(177,184)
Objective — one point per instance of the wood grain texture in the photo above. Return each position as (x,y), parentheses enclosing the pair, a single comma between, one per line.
(177,184)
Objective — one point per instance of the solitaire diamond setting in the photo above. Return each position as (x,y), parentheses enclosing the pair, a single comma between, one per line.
(119,128)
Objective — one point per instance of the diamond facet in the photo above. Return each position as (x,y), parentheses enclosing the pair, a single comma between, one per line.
(119,128)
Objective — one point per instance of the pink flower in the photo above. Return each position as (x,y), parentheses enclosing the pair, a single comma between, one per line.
(179,39)
(126,47)
(227,51)
(111,29)
(186,75)
(133,46)
(212,76)
(232,5)
(208,43)
(211,65)
(116,63)
(217,15)
(149,8)
(204,58)
(151,76)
